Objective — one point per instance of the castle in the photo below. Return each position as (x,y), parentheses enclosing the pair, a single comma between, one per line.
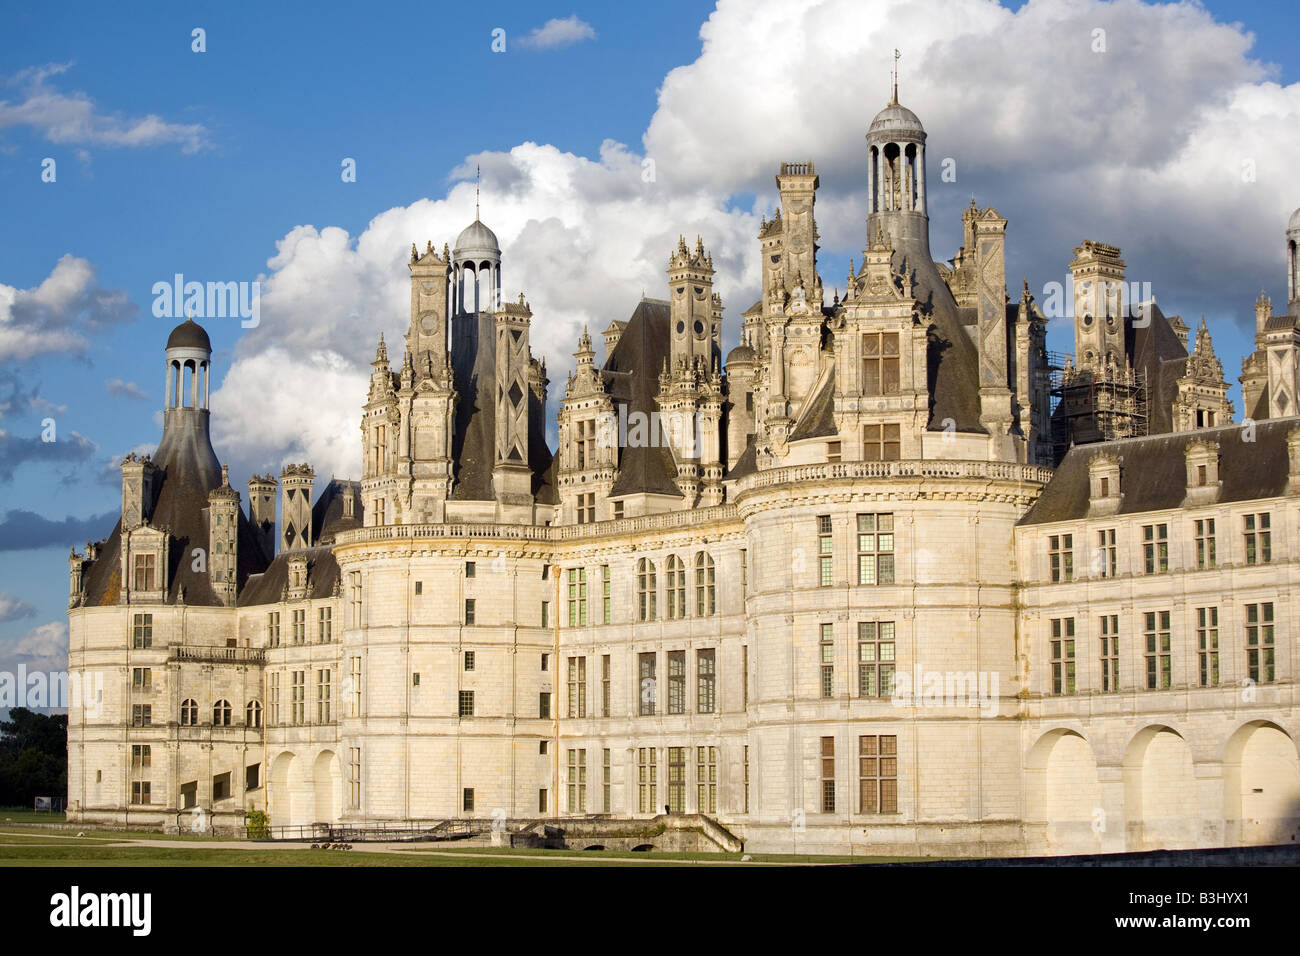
(890,578)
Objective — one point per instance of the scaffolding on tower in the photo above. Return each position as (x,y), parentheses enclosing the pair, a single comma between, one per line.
(1093,403)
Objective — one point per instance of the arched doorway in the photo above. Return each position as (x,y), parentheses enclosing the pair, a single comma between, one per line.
(327,784)
(1063,811)
(1161,798)
(1261,781)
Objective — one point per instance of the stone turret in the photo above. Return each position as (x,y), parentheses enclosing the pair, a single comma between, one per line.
(295,507)
(223,540)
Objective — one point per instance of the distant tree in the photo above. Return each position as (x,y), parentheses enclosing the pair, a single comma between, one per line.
(33,757)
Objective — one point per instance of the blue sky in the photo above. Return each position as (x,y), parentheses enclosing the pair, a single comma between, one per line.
(225,165)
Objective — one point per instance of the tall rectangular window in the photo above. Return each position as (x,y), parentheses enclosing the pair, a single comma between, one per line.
(577,780)
(1062,649)
(466,701)
(1109,653)
(828,774)
(875,658)
(676,682)
(705,680)
(647,773)
(880,363)
(577,687)
(470,609)
(1205,544)
(544,706)
(546,614)
(647,589)
(142,631)
(142,678)
(1060,554)
(1159,655)
(604,685)
(606,780)
(746,758)
(354,778)
(275,698)
(300,626)
(646,684)
(354,704)
(299,699)
(469,660)
(354,596)
(706,779)
(467,800)
(326,621)
(1259,642)
(1155,548)
(140,792)
(273,629)
(878,774)
(706,588)
(876,549)
(676,779)
(825,552)
(145,576)
(744,676)
(142,715)
(141,756)
(1106,564)
(606,596)
(1259,538)
(324,696)
(587,508)
(577,597)
(826,656)
(1207,645)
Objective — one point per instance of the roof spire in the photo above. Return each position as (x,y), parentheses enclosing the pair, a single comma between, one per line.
(478,174)
(897,56)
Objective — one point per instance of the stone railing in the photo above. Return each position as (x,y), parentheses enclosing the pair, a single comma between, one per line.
(664,521)
(218,655)
(927,468)
(694,517)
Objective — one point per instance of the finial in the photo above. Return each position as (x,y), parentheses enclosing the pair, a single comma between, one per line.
(478,172)
(897,56)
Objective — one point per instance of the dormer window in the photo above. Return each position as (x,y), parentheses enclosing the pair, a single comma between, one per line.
(1103,483)
(1202,471)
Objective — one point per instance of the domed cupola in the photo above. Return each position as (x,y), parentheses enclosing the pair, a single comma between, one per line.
(476,264)
(896,166)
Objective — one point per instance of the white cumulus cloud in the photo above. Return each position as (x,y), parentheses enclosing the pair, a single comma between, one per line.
(559,32)
(1145,144)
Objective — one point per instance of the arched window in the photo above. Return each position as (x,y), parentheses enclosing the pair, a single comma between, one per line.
(253,713)
(706,594)
(646,588)
(221,713)
(189,712)
(676,588)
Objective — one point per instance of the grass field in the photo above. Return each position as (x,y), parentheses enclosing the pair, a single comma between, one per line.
(28,839)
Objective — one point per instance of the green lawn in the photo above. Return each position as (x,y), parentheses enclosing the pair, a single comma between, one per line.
(24,841)
(28,815)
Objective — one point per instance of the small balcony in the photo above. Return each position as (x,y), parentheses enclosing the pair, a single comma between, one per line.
(199,653)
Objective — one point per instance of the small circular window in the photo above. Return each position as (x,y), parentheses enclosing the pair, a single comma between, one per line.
(699,328)
(681,327)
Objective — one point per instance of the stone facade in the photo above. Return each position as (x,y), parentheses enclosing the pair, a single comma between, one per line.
(844,591)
